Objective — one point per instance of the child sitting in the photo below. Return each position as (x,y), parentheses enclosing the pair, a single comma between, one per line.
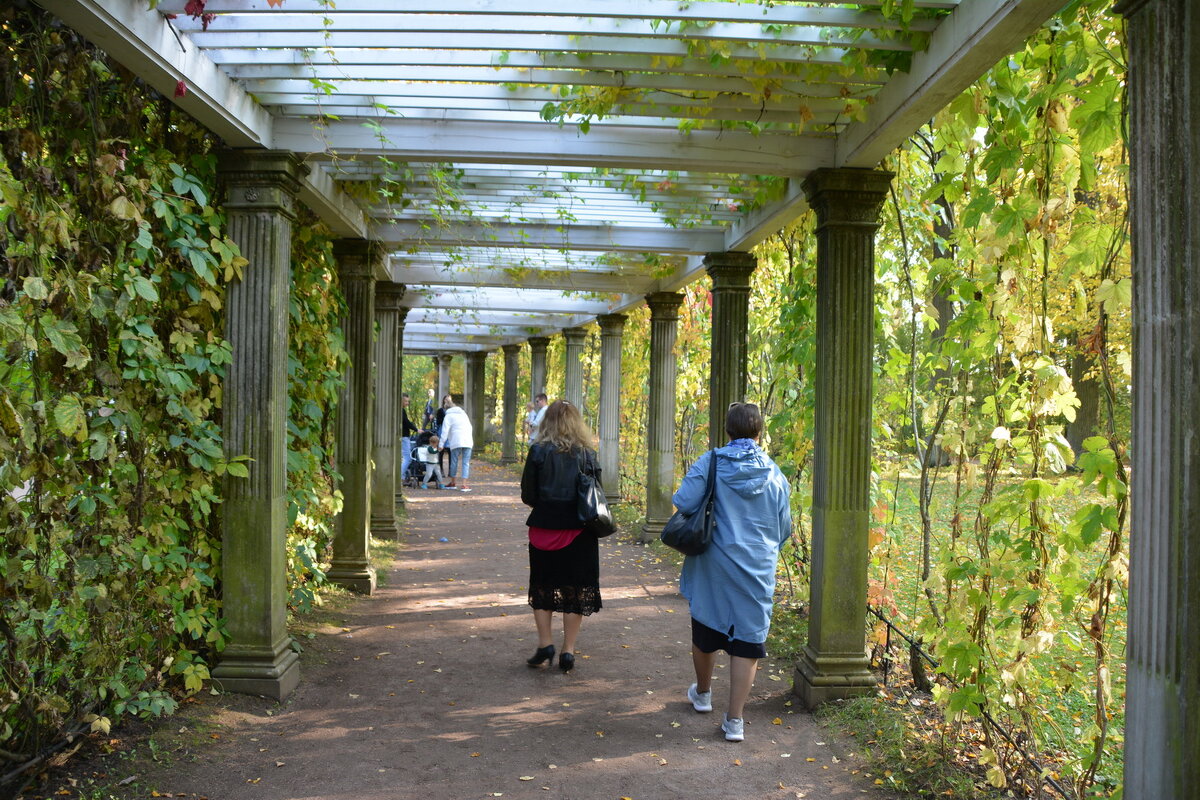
(429,457)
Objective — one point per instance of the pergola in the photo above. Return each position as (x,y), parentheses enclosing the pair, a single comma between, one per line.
(501,171)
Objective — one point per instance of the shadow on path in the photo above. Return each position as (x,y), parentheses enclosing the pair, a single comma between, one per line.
(424,693)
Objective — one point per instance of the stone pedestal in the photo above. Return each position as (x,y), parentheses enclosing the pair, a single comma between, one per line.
(508,433)
(611,328)
(537,365)
(1162,702)
(660,423)
(730,273)
(573,389)
(444,360)
(386,435)
(260,189)
(834,663)
(351,565)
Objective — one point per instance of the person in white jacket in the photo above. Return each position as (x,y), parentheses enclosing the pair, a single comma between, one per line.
(457,437)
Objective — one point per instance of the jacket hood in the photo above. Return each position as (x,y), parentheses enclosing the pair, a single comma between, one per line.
(744,470)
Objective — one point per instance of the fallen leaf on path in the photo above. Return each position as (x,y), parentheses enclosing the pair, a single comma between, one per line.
(674,724)
(777,721)
(737,762)
(525,778)
(474,755)
(279,763)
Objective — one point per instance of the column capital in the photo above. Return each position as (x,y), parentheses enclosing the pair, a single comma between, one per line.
(847,196)
(511,349)
(445,358)
(664,305)
(261,180)
(361,258)
(574,335)
(476,356)
(388,296)
(1128,8)
(730,270)
(539,343)
(611,324)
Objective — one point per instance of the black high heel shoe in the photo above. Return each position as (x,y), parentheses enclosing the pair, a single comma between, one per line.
(543,654)
(566,662)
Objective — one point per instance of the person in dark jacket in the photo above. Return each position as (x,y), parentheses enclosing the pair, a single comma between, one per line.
(564,562)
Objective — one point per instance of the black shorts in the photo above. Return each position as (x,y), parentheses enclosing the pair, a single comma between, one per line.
(708,640)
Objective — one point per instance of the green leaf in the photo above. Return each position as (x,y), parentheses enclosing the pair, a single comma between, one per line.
(69,417)
(35,288)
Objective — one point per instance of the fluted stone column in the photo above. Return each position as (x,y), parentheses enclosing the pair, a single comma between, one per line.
(834,663)
(386,434)
(537,365)
(260,190)
(443,377)
(508,437)
(351,564)
(611,328)
(660,423)
(1162,701)
(573,390)
(473,385)
(730,273)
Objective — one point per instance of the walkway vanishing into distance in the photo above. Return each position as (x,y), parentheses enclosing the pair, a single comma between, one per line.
(421,690)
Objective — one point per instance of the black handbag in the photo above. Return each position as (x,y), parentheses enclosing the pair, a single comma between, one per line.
(593,505)
(691,534)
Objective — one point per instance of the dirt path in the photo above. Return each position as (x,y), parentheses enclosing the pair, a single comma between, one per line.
(424,692)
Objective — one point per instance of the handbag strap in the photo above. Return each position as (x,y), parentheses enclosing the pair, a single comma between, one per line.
(710,487)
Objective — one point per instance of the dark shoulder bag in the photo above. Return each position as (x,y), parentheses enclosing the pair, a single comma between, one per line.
(593,505)
(691,534)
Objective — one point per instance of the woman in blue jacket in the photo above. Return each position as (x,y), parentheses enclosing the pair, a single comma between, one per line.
(730,586)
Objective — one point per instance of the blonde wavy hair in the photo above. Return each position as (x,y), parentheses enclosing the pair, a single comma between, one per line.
(563,427)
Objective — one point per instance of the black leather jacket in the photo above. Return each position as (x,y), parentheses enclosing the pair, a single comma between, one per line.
(550,485)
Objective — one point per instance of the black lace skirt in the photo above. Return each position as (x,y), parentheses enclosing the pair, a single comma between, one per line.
(566,580)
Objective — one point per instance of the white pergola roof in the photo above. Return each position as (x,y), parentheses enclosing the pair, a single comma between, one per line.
(505,224)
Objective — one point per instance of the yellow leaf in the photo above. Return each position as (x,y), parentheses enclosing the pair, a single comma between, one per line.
(737,762)
(525,778)
(777,721)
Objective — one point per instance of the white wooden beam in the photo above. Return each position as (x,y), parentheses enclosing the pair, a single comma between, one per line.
(604,146)
(564,236)
(966,44)
(525,300)
(570,280)
(611,9)
(142,40)
(288,29)
(331,204)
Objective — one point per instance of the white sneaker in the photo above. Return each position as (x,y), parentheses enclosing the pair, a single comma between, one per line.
(464,488)
(701,701)
(734,729)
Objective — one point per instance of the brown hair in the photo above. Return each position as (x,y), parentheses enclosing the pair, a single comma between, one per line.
(564,427)
(744,421)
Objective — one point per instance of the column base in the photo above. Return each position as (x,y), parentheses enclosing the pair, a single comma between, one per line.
(613,499)
(268,672)
(356,580)
(385,527)
(651,529)
(819,679)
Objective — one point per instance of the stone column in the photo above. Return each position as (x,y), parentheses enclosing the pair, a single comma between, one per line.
(660,422)
(260,189)
(573,390)
(834,663)
(508,448)
(473,385)
(351,564)
(537,365)
(611,327)
(730,273)
(443,377)
(1162,701)
(385,478)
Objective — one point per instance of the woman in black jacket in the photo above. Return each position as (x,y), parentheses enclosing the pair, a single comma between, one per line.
(564,563)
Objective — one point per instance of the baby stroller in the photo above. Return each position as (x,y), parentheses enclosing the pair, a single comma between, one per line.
(416,467)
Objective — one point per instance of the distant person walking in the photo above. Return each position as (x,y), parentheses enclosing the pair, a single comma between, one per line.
(539,413)
(564,562)
(457,437)
(731,584)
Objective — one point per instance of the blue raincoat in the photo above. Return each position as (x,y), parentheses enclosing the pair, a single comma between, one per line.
(730,586)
